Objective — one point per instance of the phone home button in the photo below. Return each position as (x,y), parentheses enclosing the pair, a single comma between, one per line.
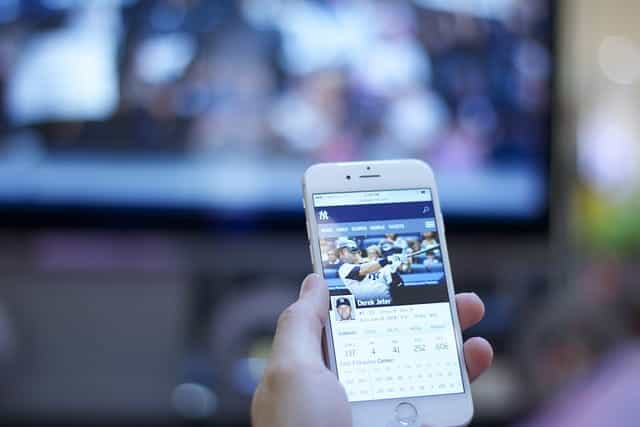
(406,414)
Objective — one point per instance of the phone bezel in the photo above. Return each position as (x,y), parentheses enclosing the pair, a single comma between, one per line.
(450,409)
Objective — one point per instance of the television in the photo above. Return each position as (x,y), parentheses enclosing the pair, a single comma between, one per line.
(201,113)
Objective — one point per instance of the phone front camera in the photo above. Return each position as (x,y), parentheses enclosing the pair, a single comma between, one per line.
(348,176)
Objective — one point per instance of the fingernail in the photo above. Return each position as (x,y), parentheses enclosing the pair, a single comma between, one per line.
(308,283)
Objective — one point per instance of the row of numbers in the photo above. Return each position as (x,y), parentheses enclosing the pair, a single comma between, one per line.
(397,352)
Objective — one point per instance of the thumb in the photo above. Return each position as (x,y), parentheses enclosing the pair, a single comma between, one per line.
(298,336)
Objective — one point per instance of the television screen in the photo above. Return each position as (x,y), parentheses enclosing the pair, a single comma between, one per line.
(219,106)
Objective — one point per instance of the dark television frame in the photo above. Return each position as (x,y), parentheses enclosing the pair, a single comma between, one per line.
(31,216)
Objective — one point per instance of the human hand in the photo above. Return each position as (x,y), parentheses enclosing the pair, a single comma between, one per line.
(395,261)
(297,388)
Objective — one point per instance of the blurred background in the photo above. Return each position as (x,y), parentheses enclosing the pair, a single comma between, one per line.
(150,162)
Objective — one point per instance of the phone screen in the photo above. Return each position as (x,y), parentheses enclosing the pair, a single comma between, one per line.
(390,314)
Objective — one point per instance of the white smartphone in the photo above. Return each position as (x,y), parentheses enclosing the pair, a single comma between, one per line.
(393,337)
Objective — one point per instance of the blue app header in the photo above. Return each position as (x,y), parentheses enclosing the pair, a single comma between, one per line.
(379,212)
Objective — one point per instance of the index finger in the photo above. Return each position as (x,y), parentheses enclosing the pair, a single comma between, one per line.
(470,309)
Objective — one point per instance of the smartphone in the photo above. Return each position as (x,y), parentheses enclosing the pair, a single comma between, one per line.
(392,337)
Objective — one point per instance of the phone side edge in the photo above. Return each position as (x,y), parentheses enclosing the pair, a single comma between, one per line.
(307,194)
(457,329)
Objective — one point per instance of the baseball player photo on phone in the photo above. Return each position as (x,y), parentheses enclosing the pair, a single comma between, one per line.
(378,269)
(343,308)
(393,338)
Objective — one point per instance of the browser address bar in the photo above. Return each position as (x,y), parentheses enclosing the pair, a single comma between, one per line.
(372,197)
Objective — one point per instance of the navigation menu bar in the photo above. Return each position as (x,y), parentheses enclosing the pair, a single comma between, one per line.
(417,225)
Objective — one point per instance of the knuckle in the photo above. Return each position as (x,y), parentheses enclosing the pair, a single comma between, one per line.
(279,375)
(292,313)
